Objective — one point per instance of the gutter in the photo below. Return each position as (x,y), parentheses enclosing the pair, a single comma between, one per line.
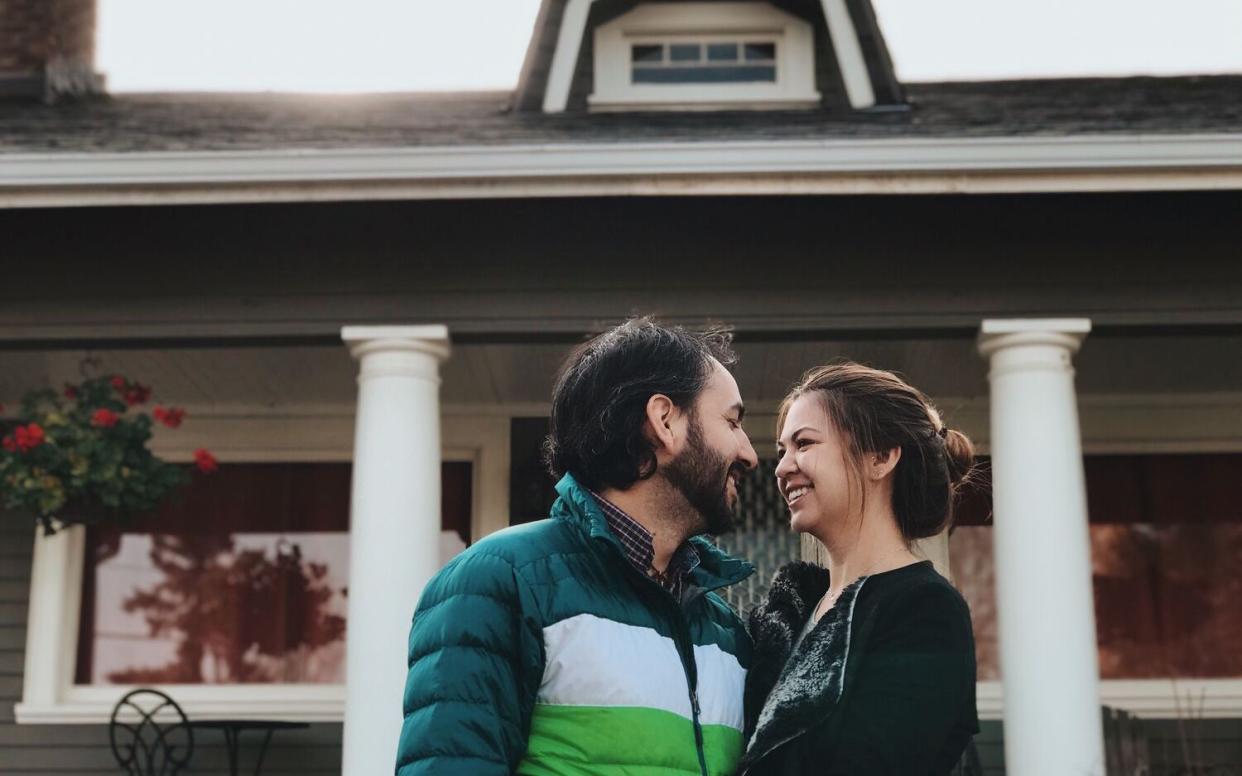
(901,165)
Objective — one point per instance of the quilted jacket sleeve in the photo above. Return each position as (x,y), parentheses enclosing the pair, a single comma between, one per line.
(475,657)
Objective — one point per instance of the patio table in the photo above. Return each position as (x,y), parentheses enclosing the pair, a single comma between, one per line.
(232,732)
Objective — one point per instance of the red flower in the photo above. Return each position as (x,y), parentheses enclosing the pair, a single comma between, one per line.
(29,437)
(104,418)
(205,461)
(118,382)
(10,444)
(170,417)
(137,394)
(71,392)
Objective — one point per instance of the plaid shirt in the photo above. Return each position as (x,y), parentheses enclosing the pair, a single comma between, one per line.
(636,540)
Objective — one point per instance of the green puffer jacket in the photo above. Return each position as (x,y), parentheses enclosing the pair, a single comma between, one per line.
(541,650)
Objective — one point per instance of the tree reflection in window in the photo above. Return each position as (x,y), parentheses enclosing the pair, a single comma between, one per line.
(246,612)
(238,581)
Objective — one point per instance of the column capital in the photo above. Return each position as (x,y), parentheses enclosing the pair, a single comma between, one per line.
(430,339)
(1000,333)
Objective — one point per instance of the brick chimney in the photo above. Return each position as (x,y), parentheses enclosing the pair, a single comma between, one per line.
(47,49)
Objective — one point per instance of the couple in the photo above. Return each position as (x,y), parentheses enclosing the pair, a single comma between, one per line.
(593,643)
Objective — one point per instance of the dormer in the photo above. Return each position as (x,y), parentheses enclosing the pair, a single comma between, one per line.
(591,56)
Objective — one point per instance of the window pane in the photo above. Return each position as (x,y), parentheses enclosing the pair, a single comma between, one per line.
(240,579)
(647,54)
(760,52)
(699,75)
(1166,540)
(685,52)
(722,52)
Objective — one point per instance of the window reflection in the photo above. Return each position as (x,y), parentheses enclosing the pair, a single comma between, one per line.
(242,579)
(1166,543)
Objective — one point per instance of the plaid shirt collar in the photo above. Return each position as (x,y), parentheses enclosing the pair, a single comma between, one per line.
(639,549)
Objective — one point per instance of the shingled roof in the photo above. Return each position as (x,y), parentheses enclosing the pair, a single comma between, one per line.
(226,122)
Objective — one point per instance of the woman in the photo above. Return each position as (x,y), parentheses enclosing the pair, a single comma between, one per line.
(866,667)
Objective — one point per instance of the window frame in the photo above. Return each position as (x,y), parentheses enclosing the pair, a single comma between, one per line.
(49,695)
(668,23)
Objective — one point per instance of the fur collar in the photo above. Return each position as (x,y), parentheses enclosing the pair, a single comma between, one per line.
(785,697)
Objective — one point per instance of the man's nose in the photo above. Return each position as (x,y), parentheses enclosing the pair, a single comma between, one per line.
(748,454)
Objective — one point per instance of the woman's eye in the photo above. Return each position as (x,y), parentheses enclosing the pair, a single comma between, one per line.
(801,443)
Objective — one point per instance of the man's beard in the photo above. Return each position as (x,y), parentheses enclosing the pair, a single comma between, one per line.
(702,477)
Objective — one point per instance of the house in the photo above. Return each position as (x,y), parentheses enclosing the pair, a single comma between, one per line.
(302,272)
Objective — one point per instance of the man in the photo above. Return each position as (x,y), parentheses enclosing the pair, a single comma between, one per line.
(591,643)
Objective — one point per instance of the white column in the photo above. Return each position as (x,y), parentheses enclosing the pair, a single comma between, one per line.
(1049,663)
(394,527)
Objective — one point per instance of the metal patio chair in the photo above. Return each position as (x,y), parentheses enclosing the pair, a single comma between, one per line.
(150,734)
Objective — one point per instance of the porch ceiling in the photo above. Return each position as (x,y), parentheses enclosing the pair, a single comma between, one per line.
(522,374)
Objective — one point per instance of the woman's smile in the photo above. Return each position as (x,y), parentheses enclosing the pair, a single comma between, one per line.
(793,495)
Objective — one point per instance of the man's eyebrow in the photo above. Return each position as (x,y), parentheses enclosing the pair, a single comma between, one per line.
(740,409)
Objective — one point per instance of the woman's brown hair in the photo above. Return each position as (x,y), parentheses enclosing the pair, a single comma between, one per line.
(876,411)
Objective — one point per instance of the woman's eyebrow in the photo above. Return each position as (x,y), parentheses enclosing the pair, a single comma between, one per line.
(793,434)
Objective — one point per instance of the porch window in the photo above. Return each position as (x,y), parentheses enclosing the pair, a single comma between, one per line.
(1166,540)
(241,580)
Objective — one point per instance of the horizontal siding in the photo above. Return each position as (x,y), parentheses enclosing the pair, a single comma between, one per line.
(84,749)
(15,590)
(11,662)
(1215,743)
(12,637)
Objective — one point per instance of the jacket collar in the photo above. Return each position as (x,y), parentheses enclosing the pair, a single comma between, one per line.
(793,689)
(716,568)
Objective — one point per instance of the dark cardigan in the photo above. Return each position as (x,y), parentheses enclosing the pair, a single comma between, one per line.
(883,684)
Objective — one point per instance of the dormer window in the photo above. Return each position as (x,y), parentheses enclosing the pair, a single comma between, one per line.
(704,62)
(704,56)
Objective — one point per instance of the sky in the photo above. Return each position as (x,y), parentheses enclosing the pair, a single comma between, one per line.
(434,45)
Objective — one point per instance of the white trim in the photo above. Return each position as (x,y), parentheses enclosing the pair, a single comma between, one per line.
(1149,698)
(240,433)
(905,165)
(297,702)
(849,53)
(794,39)
(565,58)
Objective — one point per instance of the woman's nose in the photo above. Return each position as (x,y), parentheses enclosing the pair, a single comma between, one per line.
(785,466)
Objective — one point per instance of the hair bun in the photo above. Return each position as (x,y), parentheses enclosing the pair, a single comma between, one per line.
(960,455)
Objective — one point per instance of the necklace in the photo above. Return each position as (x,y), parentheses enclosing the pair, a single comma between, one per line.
(829,598)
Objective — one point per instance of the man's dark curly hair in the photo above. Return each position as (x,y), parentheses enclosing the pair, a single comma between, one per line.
(599,402)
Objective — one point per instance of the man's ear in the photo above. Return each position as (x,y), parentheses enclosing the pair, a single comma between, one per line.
(664,425)
(880,464)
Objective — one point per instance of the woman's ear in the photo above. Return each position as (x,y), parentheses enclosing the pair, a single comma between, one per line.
(664,426)
(880,464)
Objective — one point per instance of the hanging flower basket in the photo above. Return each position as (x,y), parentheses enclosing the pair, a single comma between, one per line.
(80,456)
